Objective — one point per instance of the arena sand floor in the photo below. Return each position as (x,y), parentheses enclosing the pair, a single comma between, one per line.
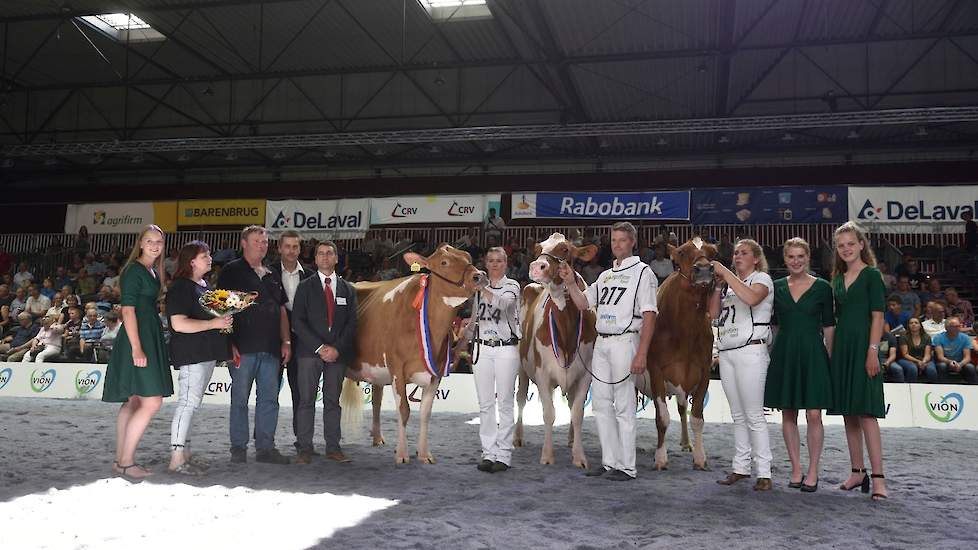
(56,491)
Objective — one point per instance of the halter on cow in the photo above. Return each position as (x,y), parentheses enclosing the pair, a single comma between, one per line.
(557,341)
(680,353)
(404,336)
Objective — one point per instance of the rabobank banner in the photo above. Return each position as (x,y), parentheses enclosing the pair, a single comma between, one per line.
(913,209)
(346,218)
(651,205)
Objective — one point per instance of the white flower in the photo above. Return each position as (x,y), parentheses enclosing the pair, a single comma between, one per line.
(234,302)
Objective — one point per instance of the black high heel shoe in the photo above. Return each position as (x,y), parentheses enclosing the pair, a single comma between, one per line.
(863,485)
(796,484)
(806,488)
(876,496)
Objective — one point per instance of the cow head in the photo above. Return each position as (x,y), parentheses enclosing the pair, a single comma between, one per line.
(693,259)
(452,266)
(551,252)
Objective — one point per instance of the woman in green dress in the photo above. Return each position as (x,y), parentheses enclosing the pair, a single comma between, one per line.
(857,384)
(138,373)
(798,377)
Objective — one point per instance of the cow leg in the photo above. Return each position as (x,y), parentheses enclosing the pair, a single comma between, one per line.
(427,400)
(699,453)
(683,422)
(661,424)
(546,392)
(403,413)
(521,392)
(578,396)
(376,400)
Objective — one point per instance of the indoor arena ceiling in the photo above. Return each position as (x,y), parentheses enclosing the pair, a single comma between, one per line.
(235,86)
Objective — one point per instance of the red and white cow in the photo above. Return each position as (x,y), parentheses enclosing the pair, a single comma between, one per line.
(558,340)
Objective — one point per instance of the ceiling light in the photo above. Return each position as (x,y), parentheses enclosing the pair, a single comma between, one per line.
(852,135)
(723,139)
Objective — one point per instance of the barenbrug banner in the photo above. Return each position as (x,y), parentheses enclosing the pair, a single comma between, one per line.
(116,217)
(346,218)
(197,213)
(769,205)
(913,209)
(428,209)
(650,205)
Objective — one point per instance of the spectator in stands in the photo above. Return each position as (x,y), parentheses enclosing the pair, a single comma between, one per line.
(915,356)
(6,261)
(164,320)
(387,271)
(959,307)
(889,280)
(888,353)
(106,300)
(918,280)
(70,302)
(895,318)
(494,226)
(111,279)
(47,288)
(86,284)
(5,296)
(16,344)
(953,352)
(591,270)
(57,304)
(6,320)
(46,344)
(902,267)
(370,245)
(82,243)
(19,303)
(23,277)
(61,278)
(37,304)
(934,322)
(970,233)
(170,263)
(932,291)
(67,291)
(644,252)
(95,266)
(91,332)
(112,326)
(909,298)
(404,240)
(519,266)
(71,344)
(725,250)
(662,264)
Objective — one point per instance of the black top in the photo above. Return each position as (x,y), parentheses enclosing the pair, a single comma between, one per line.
(256,329)
(182,298)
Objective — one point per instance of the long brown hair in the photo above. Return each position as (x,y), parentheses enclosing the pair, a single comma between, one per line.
(137,251)
(187,254)
(867,255)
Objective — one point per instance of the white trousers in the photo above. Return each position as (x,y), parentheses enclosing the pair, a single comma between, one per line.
(495,382)
(48,351)
(743,373)
(614,404)
(192,381)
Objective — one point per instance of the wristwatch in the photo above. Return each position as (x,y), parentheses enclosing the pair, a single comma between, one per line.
(289,342)
(874,346)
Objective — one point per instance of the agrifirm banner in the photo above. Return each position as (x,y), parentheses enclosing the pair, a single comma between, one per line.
(115,217)
(769,205)
(913,209)
(428,209)
(196,213)
(319,219)
(651,205)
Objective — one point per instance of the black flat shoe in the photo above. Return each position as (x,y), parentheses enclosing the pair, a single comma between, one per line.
(596,472)
(485,466)
(618,475)
(805,488)
(796,484)
(499,467)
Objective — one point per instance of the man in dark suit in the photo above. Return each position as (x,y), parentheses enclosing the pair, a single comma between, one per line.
(291,272)
(325,315)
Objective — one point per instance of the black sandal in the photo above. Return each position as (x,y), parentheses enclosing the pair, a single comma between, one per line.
(878,496)
(796,484)
(130,477)
(863,485)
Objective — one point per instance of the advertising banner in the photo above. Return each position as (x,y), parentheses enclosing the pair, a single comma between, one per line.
(946,407)
(195,213)
(115,217)
(769,205)
(319,219)
(651,205)
(428,209)
(913,209)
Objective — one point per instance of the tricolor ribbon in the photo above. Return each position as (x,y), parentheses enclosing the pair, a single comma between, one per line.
(552,325)
(424,334)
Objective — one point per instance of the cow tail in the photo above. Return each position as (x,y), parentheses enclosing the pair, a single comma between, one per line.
(351,403)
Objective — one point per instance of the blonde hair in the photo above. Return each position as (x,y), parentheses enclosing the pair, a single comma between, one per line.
(867,255)
(137,251)
(797,242)
(757,251)
(497,250)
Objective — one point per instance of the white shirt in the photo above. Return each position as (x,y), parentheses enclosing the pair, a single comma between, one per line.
(498,317)
(932,327)
(37,306)
(739,323)
(622,294)
(332,282)
(23,278)
(290,280)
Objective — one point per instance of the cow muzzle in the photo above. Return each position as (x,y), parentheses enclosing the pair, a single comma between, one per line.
(702,274)
(479,279)
(540,271)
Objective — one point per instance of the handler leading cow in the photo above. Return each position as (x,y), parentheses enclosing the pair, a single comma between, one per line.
(625,298)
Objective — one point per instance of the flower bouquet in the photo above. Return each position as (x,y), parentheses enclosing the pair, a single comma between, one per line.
(222,303)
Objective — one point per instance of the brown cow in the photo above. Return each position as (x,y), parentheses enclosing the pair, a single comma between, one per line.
(565,364)
(680,354)
(389,348)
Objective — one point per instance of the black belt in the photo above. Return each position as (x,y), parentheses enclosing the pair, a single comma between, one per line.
(496,342)
(618,334)
(752,342)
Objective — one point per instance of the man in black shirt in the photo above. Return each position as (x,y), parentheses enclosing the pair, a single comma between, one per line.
(260,343)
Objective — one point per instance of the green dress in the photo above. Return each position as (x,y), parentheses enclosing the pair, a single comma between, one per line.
(798,377)
(854,392)
(123,379)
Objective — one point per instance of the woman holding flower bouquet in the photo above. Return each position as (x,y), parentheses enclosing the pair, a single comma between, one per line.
(138,373)
(196,345)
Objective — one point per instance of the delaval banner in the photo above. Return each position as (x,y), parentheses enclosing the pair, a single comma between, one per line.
(652,205)
(769,205)
(913,209)
(320,219)
(428,209)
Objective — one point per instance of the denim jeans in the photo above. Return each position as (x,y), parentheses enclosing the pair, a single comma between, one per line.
(903,370)
(263,370)
(968,372)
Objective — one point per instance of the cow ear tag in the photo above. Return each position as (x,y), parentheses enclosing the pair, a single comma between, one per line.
(415,267)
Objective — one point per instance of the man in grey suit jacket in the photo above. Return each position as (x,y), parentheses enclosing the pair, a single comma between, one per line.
(325,347)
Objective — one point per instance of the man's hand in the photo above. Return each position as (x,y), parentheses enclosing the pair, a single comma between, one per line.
(286,352)
(566,272)
(235,356)
(329,354)
(954,366)
(638,364)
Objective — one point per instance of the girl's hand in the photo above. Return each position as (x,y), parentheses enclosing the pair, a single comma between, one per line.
(872,363)
(139,358)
